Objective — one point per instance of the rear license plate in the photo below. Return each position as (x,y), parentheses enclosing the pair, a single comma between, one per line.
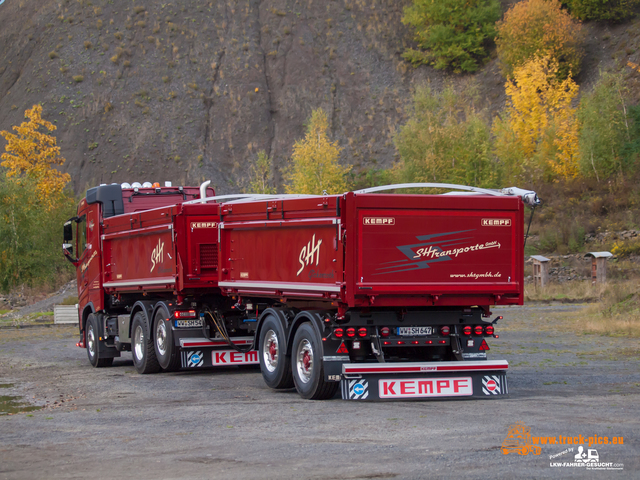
(196,322)
(413,331)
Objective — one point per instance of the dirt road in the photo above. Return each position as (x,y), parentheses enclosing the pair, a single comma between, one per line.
(226,424)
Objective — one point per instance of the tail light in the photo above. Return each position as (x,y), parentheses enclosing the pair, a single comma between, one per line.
(415,342)
(184,314)
(488,330)
(467,330)
(362,331)
(338,332)
(384,332)
(444,330)
(351,332)
(478,330)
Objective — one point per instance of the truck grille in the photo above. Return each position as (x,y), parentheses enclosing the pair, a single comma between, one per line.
(209,257)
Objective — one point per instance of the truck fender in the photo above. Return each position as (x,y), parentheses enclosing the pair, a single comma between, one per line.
(315,318)
(144,306)
(162,305)
(86,311)
(284,316)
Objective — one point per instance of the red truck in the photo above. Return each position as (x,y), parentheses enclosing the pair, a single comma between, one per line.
(383,296)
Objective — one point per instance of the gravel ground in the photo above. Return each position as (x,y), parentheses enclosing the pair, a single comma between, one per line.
(226,424)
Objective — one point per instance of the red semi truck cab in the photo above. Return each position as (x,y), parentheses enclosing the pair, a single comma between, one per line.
(376,295)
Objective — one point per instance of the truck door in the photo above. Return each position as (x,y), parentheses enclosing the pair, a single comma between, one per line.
(89,258)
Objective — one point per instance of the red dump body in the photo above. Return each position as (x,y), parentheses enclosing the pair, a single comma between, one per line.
(361,250)
(169,248)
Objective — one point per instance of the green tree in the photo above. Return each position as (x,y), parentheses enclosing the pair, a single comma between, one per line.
(604,128)
(261,178)
(30,236)
(315,161)
(446,139)
(451,33)
(539,28)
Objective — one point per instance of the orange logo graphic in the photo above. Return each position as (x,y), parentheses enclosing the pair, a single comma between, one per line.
(519,441)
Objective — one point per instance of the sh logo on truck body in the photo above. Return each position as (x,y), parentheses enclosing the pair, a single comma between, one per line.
(157,254)
(308,251)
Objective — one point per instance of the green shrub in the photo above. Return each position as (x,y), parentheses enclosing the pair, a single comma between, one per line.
(614,10)
(451,33)
(539,28)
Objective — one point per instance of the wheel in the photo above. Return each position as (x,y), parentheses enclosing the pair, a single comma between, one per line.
(144,354)
(93,337)
(166,351)
(306,363)
(275,367)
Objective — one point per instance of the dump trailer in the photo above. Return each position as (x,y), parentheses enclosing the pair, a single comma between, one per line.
(381,296)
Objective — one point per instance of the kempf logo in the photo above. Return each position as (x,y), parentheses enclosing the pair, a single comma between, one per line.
(379,221)
(496,222)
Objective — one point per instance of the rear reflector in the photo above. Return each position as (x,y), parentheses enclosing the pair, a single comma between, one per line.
(442,341)
(338,332)
(386,343)
(351,332)
(400,343)
(184,314)
(483,345)
(478,330)
(362,331)
(429,342)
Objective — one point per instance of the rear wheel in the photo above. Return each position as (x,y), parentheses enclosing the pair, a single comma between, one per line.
(93,337)
(275,367)
(144,354)
(166,351)
(307,366)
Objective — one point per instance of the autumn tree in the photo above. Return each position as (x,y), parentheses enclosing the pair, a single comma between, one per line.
(32,153)
(538,134)
(451,33)
(539,28)
(446,139)
(315,161)
(261,178)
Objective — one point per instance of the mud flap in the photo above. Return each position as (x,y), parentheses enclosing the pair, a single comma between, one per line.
(424,381)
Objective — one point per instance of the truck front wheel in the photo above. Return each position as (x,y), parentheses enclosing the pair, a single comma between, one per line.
(93,337)
(144,354)
(166,352)
(275,367)
(307,366)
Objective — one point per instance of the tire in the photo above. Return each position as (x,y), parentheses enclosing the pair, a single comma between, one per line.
(92,340)
(142,349)
(275,366)
(307,366)
(166,351)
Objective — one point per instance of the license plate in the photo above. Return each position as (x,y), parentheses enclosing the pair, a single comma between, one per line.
(413,331)
(196,322)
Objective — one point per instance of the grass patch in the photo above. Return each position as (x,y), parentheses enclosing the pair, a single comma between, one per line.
(569,292)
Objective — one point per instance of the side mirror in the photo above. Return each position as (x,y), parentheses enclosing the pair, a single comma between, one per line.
(67,248)
(68,229)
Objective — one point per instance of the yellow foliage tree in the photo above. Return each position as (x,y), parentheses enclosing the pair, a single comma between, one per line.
(315,161)
(540,124)
(33,153)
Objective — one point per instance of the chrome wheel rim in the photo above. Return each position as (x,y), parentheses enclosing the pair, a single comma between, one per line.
(270,351)
(304,361)
(91,342)
(138,343)
(161,337)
